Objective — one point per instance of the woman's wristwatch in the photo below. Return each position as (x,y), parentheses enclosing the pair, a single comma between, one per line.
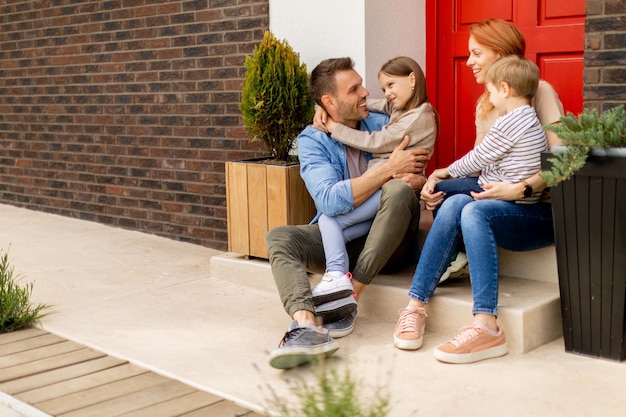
(528,190)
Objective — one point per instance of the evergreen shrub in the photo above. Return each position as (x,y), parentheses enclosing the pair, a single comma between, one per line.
(276,104)
(580,134)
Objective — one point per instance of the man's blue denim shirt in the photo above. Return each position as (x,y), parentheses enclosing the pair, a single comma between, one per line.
(324,167)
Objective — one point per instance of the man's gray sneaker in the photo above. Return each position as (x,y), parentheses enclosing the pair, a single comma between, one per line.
(341,327)
(336,310)
(302,344)
(333,286)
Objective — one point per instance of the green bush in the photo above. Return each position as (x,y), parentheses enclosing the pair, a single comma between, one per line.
(579,135)
(16,311)
(276,104)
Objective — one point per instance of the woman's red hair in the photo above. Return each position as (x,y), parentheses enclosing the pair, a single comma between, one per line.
(505,39)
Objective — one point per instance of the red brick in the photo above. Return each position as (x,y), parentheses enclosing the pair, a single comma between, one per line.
(127,117)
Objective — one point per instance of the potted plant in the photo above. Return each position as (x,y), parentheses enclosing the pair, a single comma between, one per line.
(587,176)
(267,192)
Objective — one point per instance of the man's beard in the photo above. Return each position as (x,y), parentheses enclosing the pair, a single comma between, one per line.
(351,114)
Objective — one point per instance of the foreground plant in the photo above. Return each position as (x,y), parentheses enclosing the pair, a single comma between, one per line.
(16,310)
(579,134)
(333,395)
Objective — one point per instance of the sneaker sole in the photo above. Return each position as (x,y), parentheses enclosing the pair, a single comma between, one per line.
(336,314)
(341,328)
(287,358)
(343,332)
(490,353)
(339,333)
(332,296)
(407,344)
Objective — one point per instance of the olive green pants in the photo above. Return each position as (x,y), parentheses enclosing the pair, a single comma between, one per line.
(391,243)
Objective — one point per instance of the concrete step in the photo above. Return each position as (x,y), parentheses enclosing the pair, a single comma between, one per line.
(529,308)
(538,265)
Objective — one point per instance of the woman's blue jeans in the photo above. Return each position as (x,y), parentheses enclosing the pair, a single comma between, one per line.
(483,225)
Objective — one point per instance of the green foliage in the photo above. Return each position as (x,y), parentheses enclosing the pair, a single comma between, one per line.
(276,104)
(16,311)
(579,134)
(333,395)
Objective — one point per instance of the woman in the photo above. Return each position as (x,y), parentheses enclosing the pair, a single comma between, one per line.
(483,221)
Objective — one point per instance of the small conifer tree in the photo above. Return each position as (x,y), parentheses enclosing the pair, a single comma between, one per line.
(579,134)
(276,104)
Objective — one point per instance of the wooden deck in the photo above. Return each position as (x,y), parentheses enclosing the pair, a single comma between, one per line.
(62,378)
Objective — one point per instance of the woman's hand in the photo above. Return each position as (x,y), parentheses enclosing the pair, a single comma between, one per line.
(320,118)
(500,191)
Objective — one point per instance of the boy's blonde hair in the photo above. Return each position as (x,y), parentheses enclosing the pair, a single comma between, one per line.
(521,74)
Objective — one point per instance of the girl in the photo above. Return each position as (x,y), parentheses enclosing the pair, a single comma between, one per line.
(403,82)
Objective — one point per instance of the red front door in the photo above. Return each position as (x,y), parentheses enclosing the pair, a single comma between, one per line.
(554,32)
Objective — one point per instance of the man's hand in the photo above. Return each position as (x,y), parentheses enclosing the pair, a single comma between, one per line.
(415,181)
(407,161)
(401,161)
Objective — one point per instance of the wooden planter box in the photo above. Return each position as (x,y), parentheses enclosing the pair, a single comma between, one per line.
(260,197)
(590,232)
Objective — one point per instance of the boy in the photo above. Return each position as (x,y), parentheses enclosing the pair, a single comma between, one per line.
(511,149)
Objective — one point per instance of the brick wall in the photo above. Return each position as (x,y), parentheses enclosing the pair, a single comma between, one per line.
(124,111)
(605,54)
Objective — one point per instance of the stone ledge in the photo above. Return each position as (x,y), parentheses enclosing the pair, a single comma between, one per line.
(529,309)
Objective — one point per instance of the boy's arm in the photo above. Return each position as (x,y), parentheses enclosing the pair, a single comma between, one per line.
(491,149)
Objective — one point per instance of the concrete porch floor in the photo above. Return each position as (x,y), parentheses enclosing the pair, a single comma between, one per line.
(156,303)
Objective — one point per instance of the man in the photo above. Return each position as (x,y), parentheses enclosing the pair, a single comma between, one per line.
(336,179)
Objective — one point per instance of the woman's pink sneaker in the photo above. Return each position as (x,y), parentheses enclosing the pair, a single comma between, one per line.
(409,331)
(473,343)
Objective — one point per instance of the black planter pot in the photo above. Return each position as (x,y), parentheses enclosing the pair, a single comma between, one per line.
(590,233)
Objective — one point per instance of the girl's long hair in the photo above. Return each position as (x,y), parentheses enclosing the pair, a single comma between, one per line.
(403,66)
